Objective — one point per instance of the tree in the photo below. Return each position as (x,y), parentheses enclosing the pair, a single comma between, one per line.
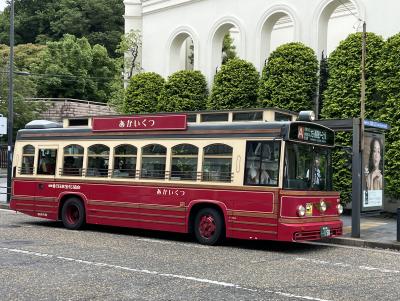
(143,92)
(184,90)
(342,96)
(100,21)
(235,86)
(289,79)
(228,49)
(388,84)
(130,47)
(72,68)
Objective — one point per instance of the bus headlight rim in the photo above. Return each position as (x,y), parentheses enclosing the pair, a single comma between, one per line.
(301,211)
(339,208)
(322,206)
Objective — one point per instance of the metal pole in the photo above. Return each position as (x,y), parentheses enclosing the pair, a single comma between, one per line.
(398,224)
(356,176)
(10,120)
(362,100)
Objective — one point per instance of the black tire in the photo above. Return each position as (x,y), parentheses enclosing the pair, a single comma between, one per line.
(73,214)
(209,226)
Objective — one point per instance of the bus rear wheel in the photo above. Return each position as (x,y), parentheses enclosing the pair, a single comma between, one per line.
(208,226)
(73,214)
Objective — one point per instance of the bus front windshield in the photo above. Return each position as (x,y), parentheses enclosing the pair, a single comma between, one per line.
(307,167)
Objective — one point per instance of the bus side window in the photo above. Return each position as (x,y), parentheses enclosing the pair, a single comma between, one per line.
(217,163)
(262,163)
(125,161)
(28,158)
(153,161)
(98,156)
(47,162)
(73,160)
(184,162)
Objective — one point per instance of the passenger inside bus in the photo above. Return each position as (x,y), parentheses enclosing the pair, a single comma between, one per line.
(259,176)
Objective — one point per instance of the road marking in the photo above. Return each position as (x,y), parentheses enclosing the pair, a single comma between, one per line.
(341,264)
(156,273)
(164,242)
(367,249)
(6,210)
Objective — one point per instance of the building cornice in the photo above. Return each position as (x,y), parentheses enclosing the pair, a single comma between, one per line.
(154,6)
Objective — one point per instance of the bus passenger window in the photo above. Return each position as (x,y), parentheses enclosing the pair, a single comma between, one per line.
(73,160)
(47,162)
(184,162)
(262,163)
(153,161)
(125,161)
(28,157)
(98,156)
(217,163)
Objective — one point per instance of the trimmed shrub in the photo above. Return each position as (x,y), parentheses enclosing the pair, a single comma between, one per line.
(235,86)
(388,84)
(289,79)
(142,93)
(184,90)
(342,96)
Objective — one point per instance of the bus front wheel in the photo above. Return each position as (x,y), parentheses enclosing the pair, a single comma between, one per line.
(208,226)
(73,214)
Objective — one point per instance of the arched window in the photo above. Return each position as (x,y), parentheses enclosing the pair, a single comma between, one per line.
(98,158)
(28,158)
(125,161)
(217,163)
(184,162)
(153,161)
(73,160)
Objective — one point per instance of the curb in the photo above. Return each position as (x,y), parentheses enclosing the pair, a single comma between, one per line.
(4,206)
(354,242)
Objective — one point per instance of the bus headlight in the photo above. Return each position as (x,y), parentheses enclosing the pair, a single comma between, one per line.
(322,206)
(301,211)
(339,208)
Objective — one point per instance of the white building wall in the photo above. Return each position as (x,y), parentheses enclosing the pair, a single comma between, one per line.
(163,19)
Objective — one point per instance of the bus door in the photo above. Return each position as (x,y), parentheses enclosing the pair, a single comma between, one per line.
(46,169)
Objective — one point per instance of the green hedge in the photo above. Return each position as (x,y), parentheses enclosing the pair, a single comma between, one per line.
(289,79)
(142,93)
(235,86)
(184,91)
(389,88)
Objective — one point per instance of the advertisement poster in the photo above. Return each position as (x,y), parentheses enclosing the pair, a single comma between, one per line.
(373,171)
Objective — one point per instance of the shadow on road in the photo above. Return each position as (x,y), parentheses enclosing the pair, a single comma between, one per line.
(261,245)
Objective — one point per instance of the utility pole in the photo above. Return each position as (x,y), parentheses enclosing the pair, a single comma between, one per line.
(10,120)
(356,203)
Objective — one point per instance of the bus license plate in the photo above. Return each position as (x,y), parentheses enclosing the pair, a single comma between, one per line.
(325,231)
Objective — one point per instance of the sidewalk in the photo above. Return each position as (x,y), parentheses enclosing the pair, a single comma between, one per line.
(375,232)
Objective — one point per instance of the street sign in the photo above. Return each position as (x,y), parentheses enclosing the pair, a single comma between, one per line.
(376,124)
(3,125)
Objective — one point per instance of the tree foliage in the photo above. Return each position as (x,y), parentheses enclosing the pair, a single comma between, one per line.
(39,21)
(184,90)
(235,86)
(289,79)
(228,49)
(143,92)
(342,97)
(388,83)
(129,48)
(72,68)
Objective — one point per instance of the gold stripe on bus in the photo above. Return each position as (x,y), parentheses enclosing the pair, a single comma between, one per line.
(22,204)
(136,205)
(45,199)
(309,193)
(251,214)
(137,220)
(27,210)
(252,230)
(254,223)
(47,206)
(137,213)
(308,220)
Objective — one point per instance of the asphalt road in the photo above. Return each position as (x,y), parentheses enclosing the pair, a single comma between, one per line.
(40,260)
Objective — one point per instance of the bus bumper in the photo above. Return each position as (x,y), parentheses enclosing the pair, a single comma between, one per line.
(309,231)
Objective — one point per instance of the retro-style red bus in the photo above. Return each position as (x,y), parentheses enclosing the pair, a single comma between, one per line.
(245,180)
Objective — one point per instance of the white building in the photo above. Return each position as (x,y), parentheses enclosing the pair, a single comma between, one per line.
(169,27)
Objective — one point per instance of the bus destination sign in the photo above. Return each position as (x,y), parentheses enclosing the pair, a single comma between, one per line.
(312,133)
(139,123)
